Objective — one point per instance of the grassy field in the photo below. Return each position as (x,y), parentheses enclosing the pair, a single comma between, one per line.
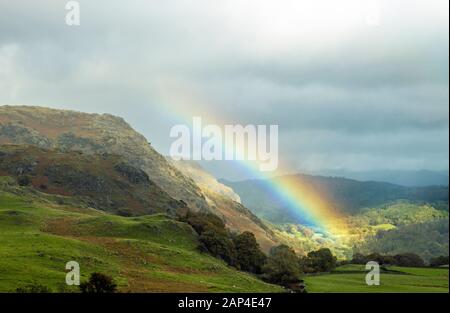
(351,278)
(144,254)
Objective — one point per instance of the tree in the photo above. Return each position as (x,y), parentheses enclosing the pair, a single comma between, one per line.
(282,266)
(322,260)
(99,283)
(248,252)
(205,221)
(220,246)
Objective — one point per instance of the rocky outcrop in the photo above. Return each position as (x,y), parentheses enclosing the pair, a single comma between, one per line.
(105,182)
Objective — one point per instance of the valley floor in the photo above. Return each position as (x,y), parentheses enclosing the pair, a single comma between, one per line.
(351,279)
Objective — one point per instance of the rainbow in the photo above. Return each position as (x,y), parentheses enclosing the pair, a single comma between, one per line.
(306,203)
(310,207)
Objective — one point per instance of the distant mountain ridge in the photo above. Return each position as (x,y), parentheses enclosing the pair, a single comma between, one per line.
(347,195)
(420,178)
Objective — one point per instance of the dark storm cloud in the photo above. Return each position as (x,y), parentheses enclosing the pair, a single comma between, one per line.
(344,93)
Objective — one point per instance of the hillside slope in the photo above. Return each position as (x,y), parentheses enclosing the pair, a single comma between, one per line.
(105,182)
(226,203)
(143,254)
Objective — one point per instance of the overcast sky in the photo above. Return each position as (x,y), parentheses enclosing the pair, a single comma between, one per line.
(357,85)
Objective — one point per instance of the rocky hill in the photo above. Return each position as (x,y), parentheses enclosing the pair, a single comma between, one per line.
(98,134)
(104,182)
(95,133)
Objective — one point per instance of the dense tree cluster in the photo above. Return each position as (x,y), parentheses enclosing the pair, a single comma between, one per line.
(318,261)
(403,259)
(439,261)
(428,240)
(241,251)
(282,266)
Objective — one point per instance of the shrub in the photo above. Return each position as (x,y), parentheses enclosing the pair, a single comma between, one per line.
(124,213)
(23,180)
(98,283)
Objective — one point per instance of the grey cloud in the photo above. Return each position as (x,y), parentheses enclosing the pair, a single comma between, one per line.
(362,98)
